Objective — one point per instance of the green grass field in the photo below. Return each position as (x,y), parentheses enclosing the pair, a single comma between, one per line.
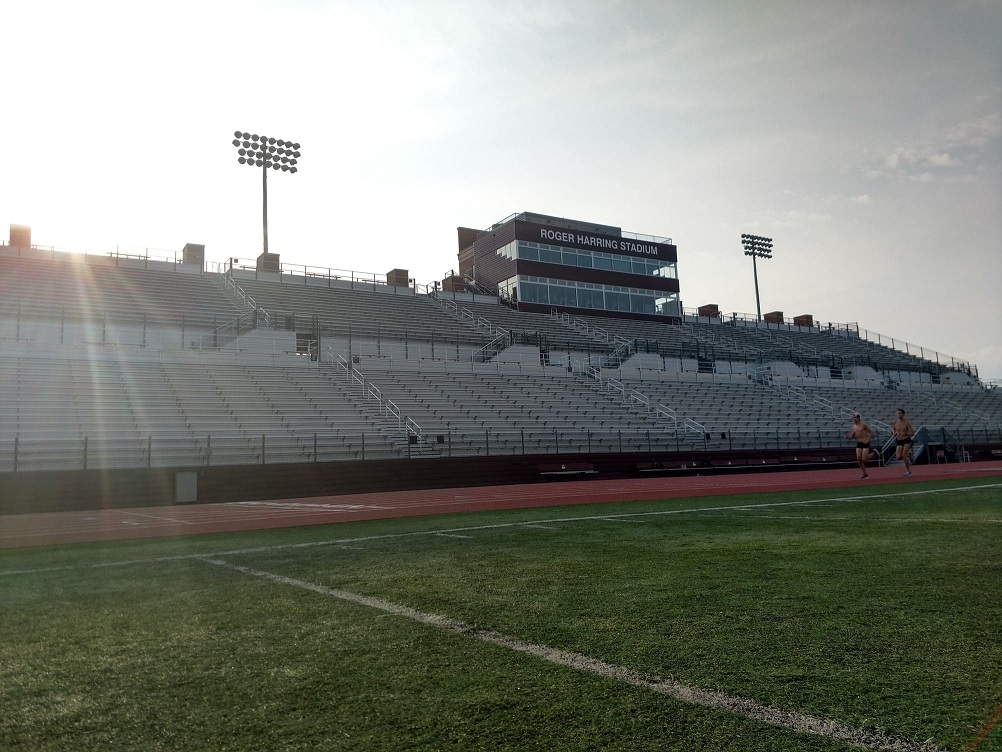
(864,616)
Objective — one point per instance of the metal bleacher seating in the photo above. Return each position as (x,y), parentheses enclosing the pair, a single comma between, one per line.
(98,370)
(99,289)
(361,311)
(536,328)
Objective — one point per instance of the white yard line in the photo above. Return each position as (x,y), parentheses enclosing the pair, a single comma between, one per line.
(849,518)
(799,722)
(621,518)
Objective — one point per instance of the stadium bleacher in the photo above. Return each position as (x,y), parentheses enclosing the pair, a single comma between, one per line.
(111,363)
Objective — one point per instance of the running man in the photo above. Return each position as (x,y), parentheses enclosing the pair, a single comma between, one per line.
(903,432)
(862,433)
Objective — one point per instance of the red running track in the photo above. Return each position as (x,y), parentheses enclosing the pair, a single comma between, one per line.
(51,528)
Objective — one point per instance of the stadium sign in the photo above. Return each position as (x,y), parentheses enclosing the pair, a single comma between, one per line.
(567,238)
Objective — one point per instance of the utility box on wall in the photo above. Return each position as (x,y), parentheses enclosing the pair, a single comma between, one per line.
(185,487)
(774,317)
(268,262)
(20,236)
(398,278)
(193,253)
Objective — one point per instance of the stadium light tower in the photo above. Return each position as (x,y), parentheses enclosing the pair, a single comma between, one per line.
(757,247)
(265,152)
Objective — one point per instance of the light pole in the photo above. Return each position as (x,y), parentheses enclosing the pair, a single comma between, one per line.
(757,247)
(265,152)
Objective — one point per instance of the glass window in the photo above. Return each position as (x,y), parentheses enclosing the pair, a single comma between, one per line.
(563,295)
(588,259)
(668,306)
(593,296)
(622,264)
(590,299)
(666,270)
(603,261)
(641,304)
(549,255)
(533,292)
(507,286)
(617,301)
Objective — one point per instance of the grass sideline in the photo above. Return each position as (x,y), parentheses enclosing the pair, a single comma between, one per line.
(877,608)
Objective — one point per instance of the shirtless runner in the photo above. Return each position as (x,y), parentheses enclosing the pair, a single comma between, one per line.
(903,432)
(862,433)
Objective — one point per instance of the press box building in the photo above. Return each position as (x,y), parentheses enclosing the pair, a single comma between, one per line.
(540,263)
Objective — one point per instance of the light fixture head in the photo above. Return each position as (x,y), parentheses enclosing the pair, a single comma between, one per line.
(266,151)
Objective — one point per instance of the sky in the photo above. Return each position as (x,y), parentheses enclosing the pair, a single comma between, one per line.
(864,137)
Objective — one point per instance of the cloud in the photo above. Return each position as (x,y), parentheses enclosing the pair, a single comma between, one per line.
(901,156)
(942,160)
(795,219)
(975,134)
(957,153)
